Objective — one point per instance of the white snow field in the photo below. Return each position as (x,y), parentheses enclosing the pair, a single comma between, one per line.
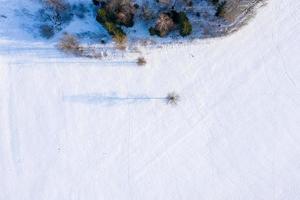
(79,129)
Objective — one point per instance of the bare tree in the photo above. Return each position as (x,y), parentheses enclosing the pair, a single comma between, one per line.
(164,24)
(172,98)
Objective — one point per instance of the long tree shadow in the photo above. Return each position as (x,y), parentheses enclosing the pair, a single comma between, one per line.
(112,99)
(171,98)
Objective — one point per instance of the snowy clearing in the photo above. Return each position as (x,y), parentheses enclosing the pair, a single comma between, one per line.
(82,129)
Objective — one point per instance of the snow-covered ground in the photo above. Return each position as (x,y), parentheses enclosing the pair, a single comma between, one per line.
(76,129)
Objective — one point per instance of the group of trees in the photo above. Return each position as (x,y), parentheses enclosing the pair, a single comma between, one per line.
(161,16)
(114,14)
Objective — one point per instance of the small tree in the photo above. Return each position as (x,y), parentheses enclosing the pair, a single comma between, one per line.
(172,98)
(141,61)
(185,27)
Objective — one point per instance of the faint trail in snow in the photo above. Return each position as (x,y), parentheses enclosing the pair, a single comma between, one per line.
(51,55)
(91,63)
(26,49)
(168,148)
(172,166)
(14,135)
(129,152)
(203,113)
(282,59)
(283,64)
(109,100)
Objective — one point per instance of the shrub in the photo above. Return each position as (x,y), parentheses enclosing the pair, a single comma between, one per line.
(70,44)
(185,27)
(141,61)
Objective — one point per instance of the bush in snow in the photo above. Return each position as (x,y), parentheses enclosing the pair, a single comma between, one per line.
(185,27)
(141,61)
(70,44)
